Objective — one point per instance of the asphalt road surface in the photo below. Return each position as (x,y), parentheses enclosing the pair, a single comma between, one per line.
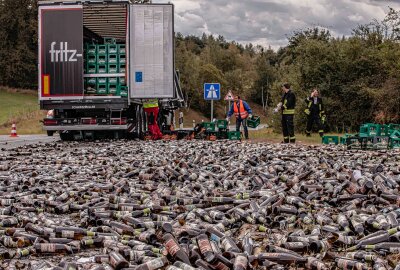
(7,142)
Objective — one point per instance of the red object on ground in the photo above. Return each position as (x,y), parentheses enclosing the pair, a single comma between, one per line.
(153,127)
(13,130)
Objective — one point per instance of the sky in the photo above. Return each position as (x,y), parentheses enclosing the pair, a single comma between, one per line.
(270,22)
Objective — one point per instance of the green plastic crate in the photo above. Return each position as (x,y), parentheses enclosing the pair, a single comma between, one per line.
(102,69)
(109,40)
(342,139)
(209,126)
(102,80)
(381,142)
(234,135)
(112,68)
(91,81)
(395,134)
(121,48)
(112,58)
(101,49)
(393,128)
(254,121)
(91,49)
(222,124)
(123,91)
(112,88)
(102,59)
(330,139)
(113,80)
(91,69)
(383,130)
(89,89)
(112,48)
(121,68)
(370,129)
(121,81)
(91,59)
(101,89)
(394,143)
(354,142)
(122,58)
(368,143)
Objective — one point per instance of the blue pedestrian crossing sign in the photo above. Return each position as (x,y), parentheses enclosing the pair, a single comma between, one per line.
(212,91)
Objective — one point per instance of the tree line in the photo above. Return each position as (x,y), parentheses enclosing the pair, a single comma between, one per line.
(358,76)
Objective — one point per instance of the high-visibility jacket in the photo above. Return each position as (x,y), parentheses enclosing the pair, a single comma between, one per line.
(314,108)
(150,103)
(240,111)
(288,102)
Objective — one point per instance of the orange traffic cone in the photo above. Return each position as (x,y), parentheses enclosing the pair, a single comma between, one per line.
(14,130)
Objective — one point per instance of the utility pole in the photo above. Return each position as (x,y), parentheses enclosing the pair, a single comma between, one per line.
(266,103)
(262,96)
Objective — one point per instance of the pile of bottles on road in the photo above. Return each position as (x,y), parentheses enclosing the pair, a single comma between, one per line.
(185,205)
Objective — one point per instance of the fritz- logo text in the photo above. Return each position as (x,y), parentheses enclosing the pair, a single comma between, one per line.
(63,54)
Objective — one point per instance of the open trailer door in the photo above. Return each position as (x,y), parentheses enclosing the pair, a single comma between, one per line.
(151,51)
(60,52)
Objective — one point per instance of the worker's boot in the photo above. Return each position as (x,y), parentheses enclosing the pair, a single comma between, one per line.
(292,140)
(286,140)
(308,134)
(321,133)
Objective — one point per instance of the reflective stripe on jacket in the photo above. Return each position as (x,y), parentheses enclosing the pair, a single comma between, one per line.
(317,108)
(240,111)
(288,102)
(150,103)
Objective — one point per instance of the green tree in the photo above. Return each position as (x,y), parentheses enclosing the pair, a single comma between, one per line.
(18,43)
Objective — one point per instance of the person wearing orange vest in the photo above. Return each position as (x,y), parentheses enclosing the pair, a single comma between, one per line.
(151,109)
(242,111)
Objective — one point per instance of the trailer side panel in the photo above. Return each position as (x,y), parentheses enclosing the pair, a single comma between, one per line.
(151,73)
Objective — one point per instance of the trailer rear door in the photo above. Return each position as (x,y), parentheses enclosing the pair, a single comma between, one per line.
(151,51)
(60,52)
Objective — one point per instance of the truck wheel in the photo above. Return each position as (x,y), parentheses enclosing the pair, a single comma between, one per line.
(143,123)
(139,122)
(50,133)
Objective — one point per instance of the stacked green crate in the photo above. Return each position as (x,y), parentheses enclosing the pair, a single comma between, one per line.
(392,128)
(381,142)
(90,68)
(394,139)
(107,58)
(342,139)
(123,91)
(121,58)
(209,126)
(369,130)
(101,86)
(121,62)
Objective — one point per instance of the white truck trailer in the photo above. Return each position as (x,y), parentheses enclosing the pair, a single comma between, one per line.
(98,62)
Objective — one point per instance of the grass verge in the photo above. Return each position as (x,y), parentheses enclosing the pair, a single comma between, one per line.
(22,107)
(267,135)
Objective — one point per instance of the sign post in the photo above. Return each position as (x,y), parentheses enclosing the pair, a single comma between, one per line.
(229,98)
(212,91)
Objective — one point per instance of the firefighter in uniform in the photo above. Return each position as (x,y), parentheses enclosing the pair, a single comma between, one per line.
(151,109)
(315,113)
(242,111)
(287,108)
